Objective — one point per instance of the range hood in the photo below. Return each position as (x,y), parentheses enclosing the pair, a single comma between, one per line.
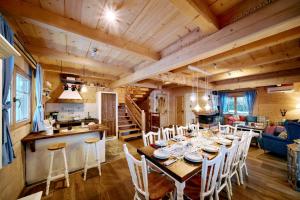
(69,94)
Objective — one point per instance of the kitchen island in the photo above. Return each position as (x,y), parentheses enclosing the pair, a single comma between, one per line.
(37,155)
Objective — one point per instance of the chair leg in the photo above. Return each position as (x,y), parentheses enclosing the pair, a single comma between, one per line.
(241,175)
(230,185)
(98,159)
(86,161)
(237,178)
(228,191)
(66,167)
(216,194)
(246,169)
(49,173)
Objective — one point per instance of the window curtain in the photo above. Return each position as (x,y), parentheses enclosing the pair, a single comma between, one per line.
(250,99)
(223,102)
(7,72)
(38,118)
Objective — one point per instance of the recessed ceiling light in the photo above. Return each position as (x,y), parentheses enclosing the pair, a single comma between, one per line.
(110,15)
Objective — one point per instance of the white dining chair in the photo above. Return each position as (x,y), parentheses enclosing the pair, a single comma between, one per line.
(203,185)
(150,137)
(181,130)
(235,163)
(147,185)
(232,130)
(223,128)
(244,154)
(226,161)
(194,127)
(168,133)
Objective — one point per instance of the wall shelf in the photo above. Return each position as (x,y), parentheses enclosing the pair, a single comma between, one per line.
(7,49)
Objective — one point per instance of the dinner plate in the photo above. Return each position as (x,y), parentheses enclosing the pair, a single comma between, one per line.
(210,148)
(223,141)
(193,156)
(161,154)
(161,143)
(231,137)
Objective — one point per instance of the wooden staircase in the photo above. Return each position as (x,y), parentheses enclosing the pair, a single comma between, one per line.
(138,93)
(128,129)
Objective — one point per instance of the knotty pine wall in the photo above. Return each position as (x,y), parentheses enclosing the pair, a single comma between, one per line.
(270,104)
(13,176)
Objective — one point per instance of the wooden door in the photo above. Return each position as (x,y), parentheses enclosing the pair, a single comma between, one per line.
(179,110)
(108,113)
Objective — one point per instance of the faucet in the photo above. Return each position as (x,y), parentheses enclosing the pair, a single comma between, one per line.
(89,115)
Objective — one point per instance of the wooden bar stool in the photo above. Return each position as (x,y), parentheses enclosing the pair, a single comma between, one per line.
(89,142)
(55,148)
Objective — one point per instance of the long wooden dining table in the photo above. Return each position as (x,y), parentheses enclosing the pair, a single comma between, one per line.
(179,171)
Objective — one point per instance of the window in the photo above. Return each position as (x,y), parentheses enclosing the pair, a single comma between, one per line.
(22,99)
(236,105)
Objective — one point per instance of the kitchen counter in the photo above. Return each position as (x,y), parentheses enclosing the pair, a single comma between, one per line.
(64,123)
(37,154)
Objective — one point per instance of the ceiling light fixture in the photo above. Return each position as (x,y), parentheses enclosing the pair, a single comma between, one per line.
(110,15)
(94,52)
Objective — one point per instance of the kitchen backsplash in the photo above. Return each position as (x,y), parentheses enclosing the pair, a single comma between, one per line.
(68,111)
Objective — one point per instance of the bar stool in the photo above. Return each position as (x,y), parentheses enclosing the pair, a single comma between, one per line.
(89,142)
(55,148)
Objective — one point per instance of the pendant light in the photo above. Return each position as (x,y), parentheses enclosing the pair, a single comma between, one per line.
(197,108)
(205,96)
(83,88)
(193,95)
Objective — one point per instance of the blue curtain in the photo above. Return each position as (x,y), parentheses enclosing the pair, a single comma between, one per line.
(38,118)
(250,98)
(223,102)
(7,72)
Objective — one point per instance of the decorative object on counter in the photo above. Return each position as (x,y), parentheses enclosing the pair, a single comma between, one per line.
(48,124)
(38,118)
(93,126)
(283,113)
(7,72)
(54,148)
(294,165)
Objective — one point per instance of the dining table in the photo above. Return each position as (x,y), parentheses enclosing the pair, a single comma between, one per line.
(182,170)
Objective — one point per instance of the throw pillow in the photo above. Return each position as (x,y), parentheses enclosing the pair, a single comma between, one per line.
(251,118)
(242,118)
(283,135)
(278,130)
(270,130)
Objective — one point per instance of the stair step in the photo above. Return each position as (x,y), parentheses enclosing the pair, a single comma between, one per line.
(138,96)
(131,136)
(123,121)
(126,125)
(129,130)
(123,116)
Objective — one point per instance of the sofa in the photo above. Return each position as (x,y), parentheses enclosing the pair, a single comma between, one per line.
(278,144)
(240,119)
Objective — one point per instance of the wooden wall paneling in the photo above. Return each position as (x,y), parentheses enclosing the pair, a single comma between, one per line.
(284,16)
(179,110)
(108,112)
(56,6)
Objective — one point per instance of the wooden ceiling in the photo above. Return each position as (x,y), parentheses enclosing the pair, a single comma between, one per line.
(154,41)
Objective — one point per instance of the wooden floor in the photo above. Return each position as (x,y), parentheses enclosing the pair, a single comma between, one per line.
(267,180)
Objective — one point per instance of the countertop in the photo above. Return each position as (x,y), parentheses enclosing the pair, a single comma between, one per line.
(62,132)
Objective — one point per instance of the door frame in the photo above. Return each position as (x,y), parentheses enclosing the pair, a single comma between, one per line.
(99,104)
(183,109)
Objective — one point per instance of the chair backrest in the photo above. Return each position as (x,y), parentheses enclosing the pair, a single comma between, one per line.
(248,135)
(223,128)
(232,129)
(182,130)
(138,172)
(239,151)
(226,161)
(209,175)
(150,137)
(194,127)
(168,133)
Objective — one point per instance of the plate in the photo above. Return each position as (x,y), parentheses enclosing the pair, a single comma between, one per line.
(161,143)
(231,137)
(179,137)
(223,141)
(210,148)
(161,154)
(193,156)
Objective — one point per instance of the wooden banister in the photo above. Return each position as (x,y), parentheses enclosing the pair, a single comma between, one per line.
(136,113)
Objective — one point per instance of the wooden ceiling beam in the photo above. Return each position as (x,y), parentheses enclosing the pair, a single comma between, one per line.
(274,78)
(182,79)
(262,69)
(286,55)
(199,12)
(51,20)
(248,48)
(59,55)
(79,72)
(276,18)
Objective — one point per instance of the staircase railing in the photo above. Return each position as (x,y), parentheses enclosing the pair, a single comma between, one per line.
(136,113)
